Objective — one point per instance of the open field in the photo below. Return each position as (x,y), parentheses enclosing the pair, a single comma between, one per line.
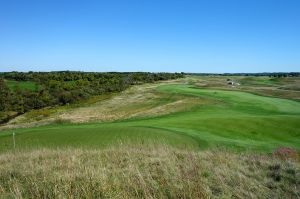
(150,99)
(193,116)
(196,137)
(144,100)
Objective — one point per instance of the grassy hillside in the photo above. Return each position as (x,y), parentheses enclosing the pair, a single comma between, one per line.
(139,171)
(232,119)
(189,138)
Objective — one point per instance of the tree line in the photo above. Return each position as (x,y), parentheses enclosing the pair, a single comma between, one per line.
(64,87)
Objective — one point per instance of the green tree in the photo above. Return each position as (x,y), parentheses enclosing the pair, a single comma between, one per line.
(4,96)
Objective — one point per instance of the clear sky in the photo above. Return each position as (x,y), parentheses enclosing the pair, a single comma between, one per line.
(150,35)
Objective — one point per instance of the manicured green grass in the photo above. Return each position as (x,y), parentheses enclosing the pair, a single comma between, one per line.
(92,135)
(23,85)
(236,120)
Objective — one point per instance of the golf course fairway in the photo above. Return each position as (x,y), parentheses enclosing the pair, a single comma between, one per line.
(232,119)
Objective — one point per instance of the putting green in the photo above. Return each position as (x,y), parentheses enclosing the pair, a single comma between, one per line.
(236,120)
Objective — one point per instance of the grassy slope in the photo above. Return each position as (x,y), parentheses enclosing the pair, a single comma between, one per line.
(233,119)
(136,161)
(140,171)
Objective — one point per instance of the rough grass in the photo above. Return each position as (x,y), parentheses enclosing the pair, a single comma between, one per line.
(139,171)
(287,87)
(137,102)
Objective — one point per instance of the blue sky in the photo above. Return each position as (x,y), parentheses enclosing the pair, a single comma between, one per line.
(152,35)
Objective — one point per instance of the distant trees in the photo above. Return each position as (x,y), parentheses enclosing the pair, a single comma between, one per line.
(4,96)
(59,88)
(275,74)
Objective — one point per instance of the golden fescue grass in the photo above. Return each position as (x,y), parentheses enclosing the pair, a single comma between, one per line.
(136,102)
(154,171)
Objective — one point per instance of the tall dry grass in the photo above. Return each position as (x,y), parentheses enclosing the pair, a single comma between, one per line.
(146,172)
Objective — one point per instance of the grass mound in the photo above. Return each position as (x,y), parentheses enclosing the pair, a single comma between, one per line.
(139,171)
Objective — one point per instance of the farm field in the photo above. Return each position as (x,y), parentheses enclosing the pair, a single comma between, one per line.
(196,137)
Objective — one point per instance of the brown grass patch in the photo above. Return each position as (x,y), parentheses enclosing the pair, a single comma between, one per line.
(145,172)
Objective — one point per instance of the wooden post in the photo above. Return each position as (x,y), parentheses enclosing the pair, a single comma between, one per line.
(14,140)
